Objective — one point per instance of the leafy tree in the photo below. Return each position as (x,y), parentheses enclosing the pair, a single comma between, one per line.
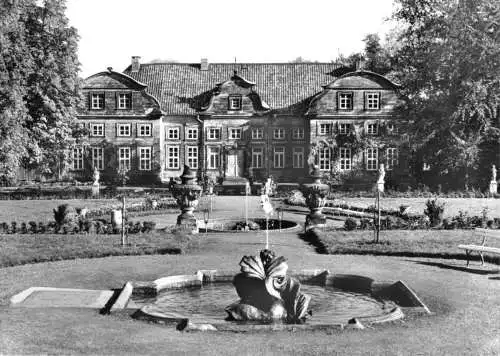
(39,85)
(448,63)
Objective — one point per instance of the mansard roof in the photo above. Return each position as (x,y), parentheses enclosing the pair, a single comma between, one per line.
(183,88)
(112,80)
(362,79)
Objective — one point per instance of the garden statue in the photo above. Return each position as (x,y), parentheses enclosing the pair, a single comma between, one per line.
(97,175)
(493,182)
(266,292)
(311,159)
(381,178)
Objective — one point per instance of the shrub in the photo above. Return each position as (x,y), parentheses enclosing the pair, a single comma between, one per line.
(32,227)
(61,213)
(365,224)
(434,211)
(148,226)
(295,198)
(350,224)
(41,228)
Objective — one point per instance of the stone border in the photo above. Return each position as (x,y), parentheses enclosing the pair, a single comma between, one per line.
(22,296)
(297,226)
(398,292)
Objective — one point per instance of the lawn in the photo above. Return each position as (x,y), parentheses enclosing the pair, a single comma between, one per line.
(22,249)
(413,243)
(473,206)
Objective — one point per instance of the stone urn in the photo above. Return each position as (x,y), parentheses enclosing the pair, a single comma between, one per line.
(315,194)
(187,194)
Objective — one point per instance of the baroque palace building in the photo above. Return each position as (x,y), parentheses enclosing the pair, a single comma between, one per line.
(242,120)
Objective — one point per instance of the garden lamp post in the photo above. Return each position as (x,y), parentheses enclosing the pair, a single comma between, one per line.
(206,218)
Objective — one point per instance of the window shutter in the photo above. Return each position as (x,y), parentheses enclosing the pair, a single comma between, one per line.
(365,99)
(337,100)
(90,100)
(116,129)
(132,94)
(117,97)
(380,100)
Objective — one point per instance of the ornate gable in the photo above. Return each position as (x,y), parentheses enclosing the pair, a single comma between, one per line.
(235,97)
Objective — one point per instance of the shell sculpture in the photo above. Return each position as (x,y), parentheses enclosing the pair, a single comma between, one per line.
(267,293)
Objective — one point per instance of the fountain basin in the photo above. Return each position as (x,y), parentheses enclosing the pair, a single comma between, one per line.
(255,224)
(378,302)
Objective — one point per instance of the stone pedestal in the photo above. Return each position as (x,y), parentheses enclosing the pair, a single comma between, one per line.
(95,190)
(493,187)
(315,194)
(187,194)
(380,187)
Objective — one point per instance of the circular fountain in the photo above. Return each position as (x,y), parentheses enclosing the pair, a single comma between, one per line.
(264,296)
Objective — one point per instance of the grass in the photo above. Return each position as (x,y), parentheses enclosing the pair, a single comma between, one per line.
(23,249)
(473,206)
(414,243)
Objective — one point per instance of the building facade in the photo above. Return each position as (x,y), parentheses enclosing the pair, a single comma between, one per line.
(232,121)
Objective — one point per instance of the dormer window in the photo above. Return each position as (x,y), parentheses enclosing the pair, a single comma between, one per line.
(345,101)
(97,101)
(235,102)
(372,101)
(124,101)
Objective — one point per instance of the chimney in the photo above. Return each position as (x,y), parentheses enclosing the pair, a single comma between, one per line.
(204,64)
(136,64)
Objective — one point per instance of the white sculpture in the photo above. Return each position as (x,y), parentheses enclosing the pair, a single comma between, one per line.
(381,171)
(96,176)
(493,173)
(493,182)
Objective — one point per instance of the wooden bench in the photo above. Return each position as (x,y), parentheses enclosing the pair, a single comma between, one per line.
(485,234)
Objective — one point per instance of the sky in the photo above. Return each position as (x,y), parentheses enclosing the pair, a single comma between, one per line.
(112,31)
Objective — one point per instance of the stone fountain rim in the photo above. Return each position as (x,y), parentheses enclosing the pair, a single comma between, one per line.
(397,292)
(297,226)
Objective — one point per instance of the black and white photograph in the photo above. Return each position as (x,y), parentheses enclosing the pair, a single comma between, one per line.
(262,177)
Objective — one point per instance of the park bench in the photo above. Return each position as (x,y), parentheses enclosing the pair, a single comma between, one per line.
(485,234)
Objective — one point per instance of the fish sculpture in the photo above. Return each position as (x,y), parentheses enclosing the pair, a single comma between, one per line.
(266,293)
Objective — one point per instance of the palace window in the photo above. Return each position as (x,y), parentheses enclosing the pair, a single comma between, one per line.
(298,157)
(298,133)
(372,101)
(191,133)
(344,128)
(213,157)
(279,133)
(257,133)
(325,129)
(235,102)
(124,101)
(192,156)
(345,158)
(345,101)
(123,130)
(97,101)
(124,158)
(144,130)
(391,158)
(279,157)
(77,158)
(324,158)
(371,159)
(97,130)
(97,158)
(371,129)
(145,158)
(234,133)
(257,157)
(173,133)
(213,133)
(172,157)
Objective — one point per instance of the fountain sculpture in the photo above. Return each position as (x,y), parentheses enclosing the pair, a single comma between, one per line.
(267,293)
(187,194)
(315,194)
